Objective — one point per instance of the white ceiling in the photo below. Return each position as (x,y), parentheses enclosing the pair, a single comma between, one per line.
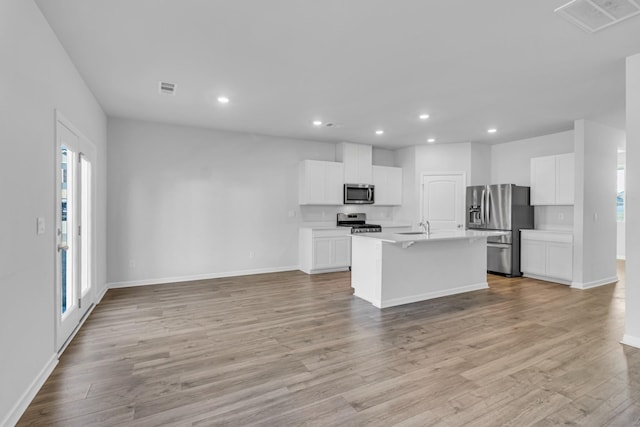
(365,64)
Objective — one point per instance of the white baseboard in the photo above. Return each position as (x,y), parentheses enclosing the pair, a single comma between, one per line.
(431,295)
(102,294)
(30,393)
(595,283)
(207,276)
(547,278)
(630,340)
(621,257)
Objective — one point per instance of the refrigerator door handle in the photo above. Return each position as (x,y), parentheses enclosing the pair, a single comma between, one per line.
(482,200)
(488,209)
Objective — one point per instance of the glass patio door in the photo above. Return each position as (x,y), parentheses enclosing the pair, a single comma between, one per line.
(74,220)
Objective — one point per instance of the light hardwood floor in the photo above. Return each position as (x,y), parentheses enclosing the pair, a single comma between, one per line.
(290,349)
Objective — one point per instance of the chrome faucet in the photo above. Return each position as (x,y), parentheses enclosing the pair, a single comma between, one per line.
(425,226)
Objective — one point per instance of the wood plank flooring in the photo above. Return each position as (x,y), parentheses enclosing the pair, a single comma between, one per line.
(290,349)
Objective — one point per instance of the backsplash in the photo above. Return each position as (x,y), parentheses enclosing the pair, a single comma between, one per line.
(553,217)
(328,213)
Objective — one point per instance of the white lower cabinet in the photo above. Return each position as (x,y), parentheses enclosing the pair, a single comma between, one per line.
(560,260)
(324,250)
(533,257)
(547,255)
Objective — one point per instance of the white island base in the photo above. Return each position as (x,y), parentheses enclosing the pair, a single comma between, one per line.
(391,269)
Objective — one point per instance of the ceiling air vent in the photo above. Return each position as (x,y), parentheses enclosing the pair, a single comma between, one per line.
(594,15)
(167,88)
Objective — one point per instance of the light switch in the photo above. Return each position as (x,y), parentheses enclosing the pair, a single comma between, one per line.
(40,229)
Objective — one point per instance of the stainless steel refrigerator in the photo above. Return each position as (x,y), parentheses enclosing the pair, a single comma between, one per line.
(503,207)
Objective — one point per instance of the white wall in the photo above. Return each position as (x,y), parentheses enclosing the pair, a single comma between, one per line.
(383,157)
(511,161)
(187,202)
(444,158)
(632,320)
(436,158)
(511,164)
(481,163)
(36,77)
(406,159)
(594,249)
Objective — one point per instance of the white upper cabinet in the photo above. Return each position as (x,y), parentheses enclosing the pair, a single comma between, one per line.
(565,179)
(543,180)
(552,180)
(320,183)
(388,185)
(357,159)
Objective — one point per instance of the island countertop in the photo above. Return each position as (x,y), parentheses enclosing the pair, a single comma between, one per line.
(436,235)
(389,269)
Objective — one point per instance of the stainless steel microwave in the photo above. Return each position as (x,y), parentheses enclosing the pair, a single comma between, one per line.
(359,194)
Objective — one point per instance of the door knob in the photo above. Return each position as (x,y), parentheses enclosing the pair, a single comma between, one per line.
(63,247)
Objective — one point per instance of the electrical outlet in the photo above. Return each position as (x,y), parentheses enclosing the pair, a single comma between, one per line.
(132,263)
(40,228)
(251,254)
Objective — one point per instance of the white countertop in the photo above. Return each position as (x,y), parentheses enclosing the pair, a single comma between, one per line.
(437,235)
(390,223)
(320,226)
(539,230)
(561,236)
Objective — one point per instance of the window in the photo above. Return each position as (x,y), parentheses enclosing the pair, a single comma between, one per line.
(620,201)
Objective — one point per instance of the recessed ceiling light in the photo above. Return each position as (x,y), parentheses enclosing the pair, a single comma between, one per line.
(423,116)
(317,123)
(379,132)
(492,130)
(431,140)
(223,100)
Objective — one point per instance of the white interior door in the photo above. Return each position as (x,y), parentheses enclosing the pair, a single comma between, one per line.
(442,200)
(74,229)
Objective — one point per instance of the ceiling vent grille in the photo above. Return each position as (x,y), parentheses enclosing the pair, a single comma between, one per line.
(167,88)
(594,15)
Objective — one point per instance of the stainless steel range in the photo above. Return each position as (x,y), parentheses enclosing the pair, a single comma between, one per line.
(358,223)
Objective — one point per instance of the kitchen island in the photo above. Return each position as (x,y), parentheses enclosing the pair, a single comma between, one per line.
(389,269)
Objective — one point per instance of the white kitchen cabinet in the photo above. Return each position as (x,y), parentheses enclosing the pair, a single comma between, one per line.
(356,159)
(324,250)
(533,257)
(320,183)
(565,179)
(388,185)
(547,255)
(560,260)
(552,180)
